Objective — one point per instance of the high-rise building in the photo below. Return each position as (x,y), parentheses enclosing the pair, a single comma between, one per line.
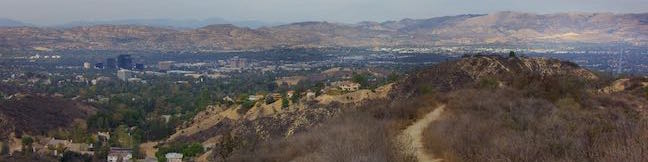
(111,63)
(125,61)
(139,66)
(99,66)
(124,75)
(87,65)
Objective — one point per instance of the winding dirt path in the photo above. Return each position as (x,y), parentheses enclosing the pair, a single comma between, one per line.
(412,135)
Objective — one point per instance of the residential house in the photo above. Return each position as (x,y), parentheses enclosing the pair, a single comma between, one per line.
(255,97)
(310,95)
(346,85)
(117,154)
(57,146)
(290,93)
(173,157)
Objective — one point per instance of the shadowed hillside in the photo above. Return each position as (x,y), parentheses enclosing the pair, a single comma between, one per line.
(37,115)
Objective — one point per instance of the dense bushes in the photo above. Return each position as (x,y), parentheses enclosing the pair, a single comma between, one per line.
(365,133)
(504,125)
(357,137)
(186,149)
(245,106)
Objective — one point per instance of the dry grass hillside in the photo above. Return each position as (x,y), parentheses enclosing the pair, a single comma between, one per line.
(497,109)
(262,121)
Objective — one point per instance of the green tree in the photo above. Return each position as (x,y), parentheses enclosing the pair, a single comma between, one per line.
(245,106)
(284,102)
(79,133)
(269,100)
(158,129)
(187,149)
(27,143)
(360,79)
(296,96)
(123,138)
(73,156)
(4,148)
(2,97)
(317,88)
(512,54)
(204,99)
(192,149)
(393,77)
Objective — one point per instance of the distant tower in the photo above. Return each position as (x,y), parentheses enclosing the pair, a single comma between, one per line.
(87,65)
(124,75)
(125,62)
(99,66)
(139,67)
(111,63)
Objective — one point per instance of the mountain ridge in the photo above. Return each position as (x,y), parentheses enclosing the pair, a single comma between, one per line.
(5,22)
(511,28)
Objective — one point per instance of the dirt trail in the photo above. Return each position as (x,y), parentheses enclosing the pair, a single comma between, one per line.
(412,135)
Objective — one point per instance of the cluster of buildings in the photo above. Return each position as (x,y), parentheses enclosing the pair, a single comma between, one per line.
(346,85)
(117,154)
(236,62)
(122,62)
(37,56)
(56,147)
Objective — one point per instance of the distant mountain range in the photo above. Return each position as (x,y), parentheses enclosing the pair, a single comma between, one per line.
(162,23)
(11,23)
(172,23)
(508,28)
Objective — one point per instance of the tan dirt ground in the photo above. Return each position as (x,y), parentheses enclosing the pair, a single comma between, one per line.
(412,135)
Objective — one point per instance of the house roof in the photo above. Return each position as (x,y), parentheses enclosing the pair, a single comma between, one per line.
(118,150)
(173,155)
(55,142)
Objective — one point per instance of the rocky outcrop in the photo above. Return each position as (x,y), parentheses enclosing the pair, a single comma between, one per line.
(470,70)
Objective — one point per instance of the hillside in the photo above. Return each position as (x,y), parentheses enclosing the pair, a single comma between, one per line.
(37,115)
(4,22)
(492,108)
(494,70)
(524,109)
(261,122)
(510,28)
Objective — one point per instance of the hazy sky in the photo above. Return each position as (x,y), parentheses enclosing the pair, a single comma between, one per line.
(49,12)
